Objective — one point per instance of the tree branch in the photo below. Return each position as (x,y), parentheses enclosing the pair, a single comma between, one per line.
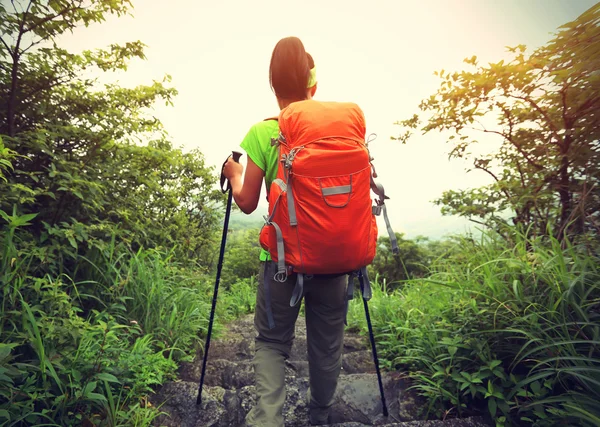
(512,141)
(542,112)
(478,222)
(10,52)
(21,32)
(57,82)
(50,18)
(563,97)
(489,172)
(521,175)
(41,40)
(14,7)
(590,102)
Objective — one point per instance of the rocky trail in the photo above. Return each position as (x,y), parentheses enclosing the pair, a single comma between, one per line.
(229,387)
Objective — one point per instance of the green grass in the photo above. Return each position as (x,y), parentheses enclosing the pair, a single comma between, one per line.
(510,330)
(90,346)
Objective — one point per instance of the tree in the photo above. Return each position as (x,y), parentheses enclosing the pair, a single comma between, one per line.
(90,158)
(90,185)
(546,171)
(242,259)
(410,262)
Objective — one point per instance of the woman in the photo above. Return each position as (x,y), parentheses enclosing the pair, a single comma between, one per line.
(292,77)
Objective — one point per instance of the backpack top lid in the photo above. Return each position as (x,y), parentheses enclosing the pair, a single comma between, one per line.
(310,120)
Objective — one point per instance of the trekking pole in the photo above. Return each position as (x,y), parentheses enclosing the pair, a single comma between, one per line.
(236,157)
(364,283)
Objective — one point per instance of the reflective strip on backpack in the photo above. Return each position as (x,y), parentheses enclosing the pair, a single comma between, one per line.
(333,191)
(269,218)
(281,184)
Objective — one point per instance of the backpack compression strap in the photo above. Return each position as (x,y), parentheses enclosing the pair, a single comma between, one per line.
(380,191)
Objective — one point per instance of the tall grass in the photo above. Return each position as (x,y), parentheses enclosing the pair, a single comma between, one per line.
(88,346)
(509,329)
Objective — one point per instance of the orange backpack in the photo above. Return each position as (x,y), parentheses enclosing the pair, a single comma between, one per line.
(321,218)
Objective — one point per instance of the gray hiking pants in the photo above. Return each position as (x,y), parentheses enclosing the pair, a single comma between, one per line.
(325,306)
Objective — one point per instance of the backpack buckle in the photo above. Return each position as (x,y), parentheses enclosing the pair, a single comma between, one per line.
(288,159)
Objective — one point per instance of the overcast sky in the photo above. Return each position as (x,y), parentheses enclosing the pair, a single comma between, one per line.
(379,54)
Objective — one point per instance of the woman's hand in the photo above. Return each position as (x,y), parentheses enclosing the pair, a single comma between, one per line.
(232,169)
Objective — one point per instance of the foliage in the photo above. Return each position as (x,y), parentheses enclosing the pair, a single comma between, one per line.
(543,109)
(83,163)
(510,329)
(240,221)
(410,262)
(508,326)
(242,259)
(107,231)
(64,363)
(6,157)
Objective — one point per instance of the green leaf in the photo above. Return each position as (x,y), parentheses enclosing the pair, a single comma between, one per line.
(495,363)
(492,407)
(5,216)
(72,242)
(89,388)
(5,350)
(4,414)
(452,350)
(104,376)
(96,397)
(24,219)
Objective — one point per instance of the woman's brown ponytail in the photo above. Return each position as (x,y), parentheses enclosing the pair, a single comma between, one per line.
(290,67)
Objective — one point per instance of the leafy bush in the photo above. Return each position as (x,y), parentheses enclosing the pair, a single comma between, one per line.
(90,351)
(107,231)
(512,331)
(411,262)
(242,256)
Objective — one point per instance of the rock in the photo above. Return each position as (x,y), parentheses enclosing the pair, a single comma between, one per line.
(180,398)
(465,422)
(299,368)
(228,393)
(354,342)
(358,362)
(232,346)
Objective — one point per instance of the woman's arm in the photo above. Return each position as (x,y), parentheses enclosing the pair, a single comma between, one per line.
(246,193)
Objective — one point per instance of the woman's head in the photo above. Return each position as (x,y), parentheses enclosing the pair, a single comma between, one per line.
(290,71)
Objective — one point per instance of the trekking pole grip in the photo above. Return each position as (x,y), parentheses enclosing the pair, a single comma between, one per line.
(236,158)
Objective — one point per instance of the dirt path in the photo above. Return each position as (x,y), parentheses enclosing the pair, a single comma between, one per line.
(229,387)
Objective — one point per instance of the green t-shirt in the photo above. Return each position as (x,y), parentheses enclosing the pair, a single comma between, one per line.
(257,144)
